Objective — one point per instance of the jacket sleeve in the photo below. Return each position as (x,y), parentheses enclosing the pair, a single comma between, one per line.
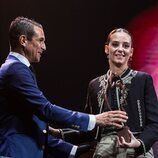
(149,134)
(23,90)
(58,147)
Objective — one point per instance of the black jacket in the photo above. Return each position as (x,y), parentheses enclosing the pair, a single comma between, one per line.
(141,107)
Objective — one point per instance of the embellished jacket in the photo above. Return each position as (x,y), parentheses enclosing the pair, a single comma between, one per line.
(138,98)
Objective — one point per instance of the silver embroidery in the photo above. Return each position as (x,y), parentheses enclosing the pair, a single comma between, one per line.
(124,93)
(103,83)
(140,113)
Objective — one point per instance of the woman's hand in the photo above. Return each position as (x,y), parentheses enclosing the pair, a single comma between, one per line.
(134,143)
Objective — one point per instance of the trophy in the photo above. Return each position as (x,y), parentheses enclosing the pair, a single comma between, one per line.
(121,97)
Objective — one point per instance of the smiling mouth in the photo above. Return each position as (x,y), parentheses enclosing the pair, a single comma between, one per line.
(120,55)
(40,53)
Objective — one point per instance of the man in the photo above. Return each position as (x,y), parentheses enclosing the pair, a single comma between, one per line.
(24,111)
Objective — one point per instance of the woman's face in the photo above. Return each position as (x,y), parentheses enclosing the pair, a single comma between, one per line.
(119,49)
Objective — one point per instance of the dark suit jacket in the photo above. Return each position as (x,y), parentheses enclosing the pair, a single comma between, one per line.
(25,112)
(142,104)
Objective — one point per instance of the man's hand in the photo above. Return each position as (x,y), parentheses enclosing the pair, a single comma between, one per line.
(54,131)
(115,118)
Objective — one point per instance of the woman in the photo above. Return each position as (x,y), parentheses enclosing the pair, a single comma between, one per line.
(129,90)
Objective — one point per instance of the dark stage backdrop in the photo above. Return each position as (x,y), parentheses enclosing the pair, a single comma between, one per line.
(75,33)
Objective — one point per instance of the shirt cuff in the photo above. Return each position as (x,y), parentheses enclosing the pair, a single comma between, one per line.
(92,122)
(73,152)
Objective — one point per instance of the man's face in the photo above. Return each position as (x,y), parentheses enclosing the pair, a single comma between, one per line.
(119,49)
(35,47)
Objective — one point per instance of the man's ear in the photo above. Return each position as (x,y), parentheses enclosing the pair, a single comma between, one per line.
(23,40)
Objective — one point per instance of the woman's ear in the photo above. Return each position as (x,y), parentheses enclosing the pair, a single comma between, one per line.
(106,50)
(131,55)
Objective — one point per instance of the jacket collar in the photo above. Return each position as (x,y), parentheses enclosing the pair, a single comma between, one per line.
(20,57)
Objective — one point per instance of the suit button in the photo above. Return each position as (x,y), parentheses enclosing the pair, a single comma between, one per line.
(44,131)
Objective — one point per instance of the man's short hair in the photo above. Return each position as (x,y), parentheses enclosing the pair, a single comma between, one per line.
(21,26)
